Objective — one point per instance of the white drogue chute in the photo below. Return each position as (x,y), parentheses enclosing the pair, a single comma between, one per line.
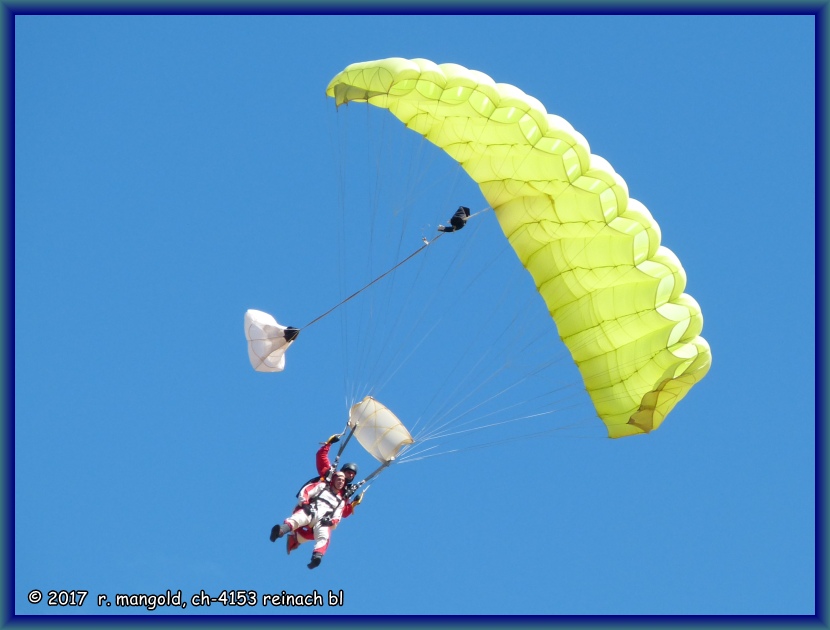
(378,430)
(267,341)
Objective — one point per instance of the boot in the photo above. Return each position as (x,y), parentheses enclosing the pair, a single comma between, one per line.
(278,531)
(316,559)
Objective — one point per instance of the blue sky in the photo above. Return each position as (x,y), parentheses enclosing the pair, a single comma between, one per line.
(173,171)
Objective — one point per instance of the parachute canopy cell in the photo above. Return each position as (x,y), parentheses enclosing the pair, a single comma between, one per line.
(267,341)
(378,430)
(615,294)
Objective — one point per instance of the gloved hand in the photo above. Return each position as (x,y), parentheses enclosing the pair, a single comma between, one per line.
(326,522)
(333,439)
(356,501)
(309,509)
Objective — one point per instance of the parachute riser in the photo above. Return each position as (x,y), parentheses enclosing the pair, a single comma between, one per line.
(333,468)
(370,477)
(377,472)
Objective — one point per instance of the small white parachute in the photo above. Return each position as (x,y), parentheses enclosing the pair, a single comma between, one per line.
(378,430)
(267,341)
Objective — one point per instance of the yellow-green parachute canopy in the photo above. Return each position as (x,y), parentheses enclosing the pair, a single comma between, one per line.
(615,293)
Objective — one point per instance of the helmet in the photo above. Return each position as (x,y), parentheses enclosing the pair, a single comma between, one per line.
(350,466)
